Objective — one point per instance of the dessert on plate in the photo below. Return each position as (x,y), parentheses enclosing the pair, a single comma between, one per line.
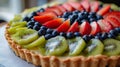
(72,34)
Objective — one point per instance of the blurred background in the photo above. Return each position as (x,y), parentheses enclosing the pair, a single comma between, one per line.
(8,8)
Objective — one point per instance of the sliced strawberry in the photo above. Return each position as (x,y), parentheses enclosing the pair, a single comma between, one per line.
(44,18)
(115,22)
(54,23)
(74,27)
(77,6)
(61,8)
(85,28)
(105,25)
(68,7)
(55,10)
(64,27)
(95,28)
(113,13)
(104,10)
(45,13)
(86,5)
(94,6)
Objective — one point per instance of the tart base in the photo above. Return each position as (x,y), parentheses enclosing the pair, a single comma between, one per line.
(54,61)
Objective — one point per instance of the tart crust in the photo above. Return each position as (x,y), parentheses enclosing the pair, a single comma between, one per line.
(54,61)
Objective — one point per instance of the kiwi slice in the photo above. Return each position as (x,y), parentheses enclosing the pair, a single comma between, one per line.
(13,30)
(21,24)
(76,45)
(56,46)
(24,36)
(39,42)
(94,47)
(17,18)
(112,47)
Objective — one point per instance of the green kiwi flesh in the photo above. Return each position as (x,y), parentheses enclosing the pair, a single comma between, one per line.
(112,47)
(76,45)
(56,46)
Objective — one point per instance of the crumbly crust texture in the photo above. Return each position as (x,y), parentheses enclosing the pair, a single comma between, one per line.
(54,61)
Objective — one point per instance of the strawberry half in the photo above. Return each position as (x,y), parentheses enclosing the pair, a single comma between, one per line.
(85,28)
(44,18)
(64,27)
(54,9)
(45,13)
(114,21)
(113,13)
(86,5)
(61,8)
(77,6)
(68,7)
(104,10)
(74,27)
(95,28)
(54,23)
(94,6)
(105,25)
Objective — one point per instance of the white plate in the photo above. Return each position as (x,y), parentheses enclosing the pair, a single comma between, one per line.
(7,57)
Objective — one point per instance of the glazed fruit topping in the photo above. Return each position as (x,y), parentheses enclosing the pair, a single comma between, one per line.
(75,19)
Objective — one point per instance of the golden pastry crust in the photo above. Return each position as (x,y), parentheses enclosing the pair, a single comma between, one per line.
(54,61)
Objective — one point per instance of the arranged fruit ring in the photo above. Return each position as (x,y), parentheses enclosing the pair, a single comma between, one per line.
(72,34)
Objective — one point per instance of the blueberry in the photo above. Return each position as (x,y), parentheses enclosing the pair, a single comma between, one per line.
(70,35)
(91,36)
(98,34)
(48,36)
(80,16)
(92,19)
(111,36)
(66,14)
(117,29)
(86,38)
(76,12)
(30,23)
(43,27)
(36,27)
(41,32)
(104,36)
(54,33)
(26,19)
(62,34)
(38,24)
(79,21)
(41,10)
(92,13)
(34,14)
(86,13)
(77,34)
(72,18)
(49,31)
(30,27)
(98,37)
(99,17)
(113,32)
(91,16)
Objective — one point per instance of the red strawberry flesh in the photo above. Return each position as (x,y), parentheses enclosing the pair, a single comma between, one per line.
(54,23)
(95,28)
(64,27)
(105,25)
(44,18)
(74,27)
(104,10)
(85,28)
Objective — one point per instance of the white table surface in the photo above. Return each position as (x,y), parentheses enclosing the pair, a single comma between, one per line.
(7,57)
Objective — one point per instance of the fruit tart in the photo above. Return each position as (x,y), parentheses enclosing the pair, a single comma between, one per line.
(72,34)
